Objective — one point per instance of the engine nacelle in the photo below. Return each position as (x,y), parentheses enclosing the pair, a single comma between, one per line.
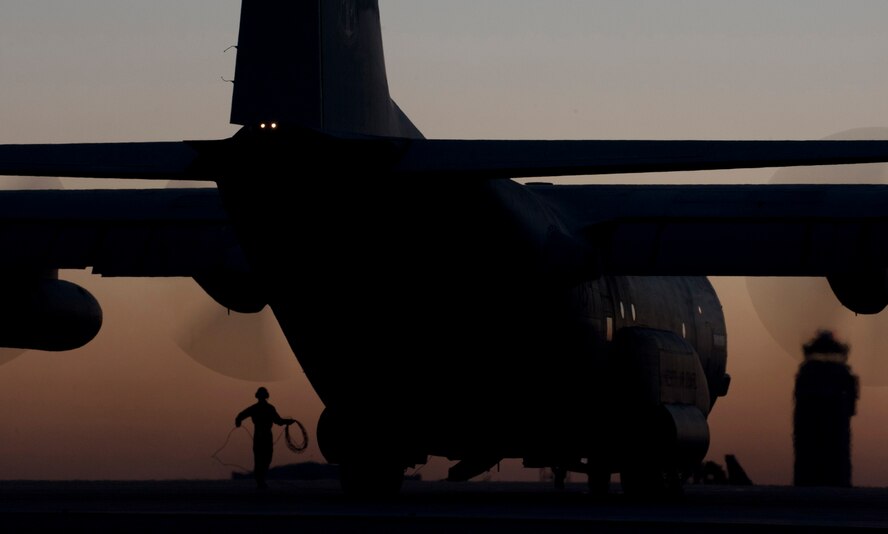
(863,292)
(47,314)
(236,291)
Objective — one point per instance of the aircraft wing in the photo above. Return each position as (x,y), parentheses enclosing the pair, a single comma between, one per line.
(743,230)
(527,159)
(769,230)
(153,233)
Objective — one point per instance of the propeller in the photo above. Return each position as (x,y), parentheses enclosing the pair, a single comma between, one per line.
(243,346)
(793,310)
(248,347)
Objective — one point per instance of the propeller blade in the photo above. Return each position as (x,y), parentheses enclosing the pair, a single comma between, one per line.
(243,346)
(793,310)
(7,355)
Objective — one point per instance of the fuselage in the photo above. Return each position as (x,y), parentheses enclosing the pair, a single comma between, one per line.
(440,315)
(451,320)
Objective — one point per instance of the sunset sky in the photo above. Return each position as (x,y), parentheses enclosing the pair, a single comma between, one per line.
(133,405)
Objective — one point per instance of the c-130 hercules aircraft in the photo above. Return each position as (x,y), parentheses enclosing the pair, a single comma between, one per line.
(595,295)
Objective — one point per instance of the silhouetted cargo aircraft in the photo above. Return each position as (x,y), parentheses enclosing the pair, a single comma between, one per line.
(583,310)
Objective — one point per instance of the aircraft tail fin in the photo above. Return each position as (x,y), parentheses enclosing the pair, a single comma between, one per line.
(316,64)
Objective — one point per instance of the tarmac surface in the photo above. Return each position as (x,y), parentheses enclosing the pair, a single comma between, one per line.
(428,507)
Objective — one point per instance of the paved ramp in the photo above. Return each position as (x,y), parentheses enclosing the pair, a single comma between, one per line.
(428,507)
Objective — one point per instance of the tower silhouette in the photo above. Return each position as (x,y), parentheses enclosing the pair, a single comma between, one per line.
(826,395)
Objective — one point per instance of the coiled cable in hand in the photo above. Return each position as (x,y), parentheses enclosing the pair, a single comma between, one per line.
(298,448)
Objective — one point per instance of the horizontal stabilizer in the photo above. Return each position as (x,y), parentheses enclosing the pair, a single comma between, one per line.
(527,159)
(203,160)
(161,161)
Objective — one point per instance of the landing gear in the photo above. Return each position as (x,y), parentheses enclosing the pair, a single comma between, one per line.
(365,472)
(599,482)
(651,482)
(369,478)
(559,474)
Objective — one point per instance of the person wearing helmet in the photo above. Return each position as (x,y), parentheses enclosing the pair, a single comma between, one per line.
(264,415)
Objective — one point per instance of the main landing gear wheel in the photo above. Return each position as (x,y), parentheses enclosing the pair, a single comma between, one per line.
(365,472)
(371,478)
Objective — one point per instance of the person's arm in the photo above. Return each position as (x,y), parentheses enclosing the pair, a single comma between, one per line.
(278,420)
(241,416)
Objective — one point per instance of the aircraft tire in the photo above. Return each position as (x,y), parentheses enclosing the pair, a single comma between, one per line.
(370,478)
(330,436)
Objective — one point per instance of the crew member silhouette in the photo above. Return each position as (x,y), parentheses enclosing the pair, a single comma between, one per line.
(264,416)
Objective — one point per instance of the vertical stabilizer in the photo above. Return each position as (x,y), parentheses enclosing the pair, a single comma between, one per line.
(316,64)
(278,72)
